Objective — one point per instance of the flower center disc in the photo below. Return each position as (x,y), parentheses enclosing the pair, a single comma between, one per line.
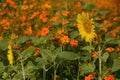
(87,27)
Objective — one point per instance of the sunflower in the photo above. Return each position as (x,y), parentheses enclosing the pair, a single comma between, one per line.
(86,27)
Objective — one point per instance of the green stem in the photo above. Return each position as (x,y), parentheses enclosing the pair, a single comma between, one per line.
(66,5)
(23,71)
(55,70)
(44,73)
(100,65)
(78,74)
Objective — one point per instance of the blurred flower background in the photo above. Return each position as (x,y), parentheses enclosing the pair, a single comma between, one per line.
(59,40)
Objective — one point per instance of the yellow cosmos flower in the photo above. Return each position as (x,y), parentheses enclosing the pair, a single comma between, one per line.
(10,54)
(86,27)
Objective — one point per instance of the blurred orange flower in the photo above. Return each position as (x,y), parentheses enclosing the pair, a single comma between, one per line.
(95,54)
(45,31)
(110,49)
(77,5)
(14,36)
(64,39)
(89,77)
(65,13)
(56,18)
(28,31)
(1,38)
(23,17)
(74,42)
(43,17)
(24,7)
(109,77)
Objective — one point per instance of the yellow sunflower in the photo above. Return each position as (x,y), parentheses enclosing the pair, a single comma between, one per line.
(86,27)
(10,54)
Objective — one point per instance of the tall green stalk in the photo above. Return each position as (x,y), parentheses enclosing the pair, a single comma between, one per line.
(44,73)
(78,74)
(23,71)
(54,71)
(100,65)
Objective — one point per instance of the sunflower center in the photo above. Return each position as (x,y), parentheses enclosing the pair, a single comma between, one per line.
(87,26)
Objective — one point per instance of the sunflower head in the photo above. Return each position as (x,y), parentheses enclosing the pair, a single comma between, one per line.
(86,27)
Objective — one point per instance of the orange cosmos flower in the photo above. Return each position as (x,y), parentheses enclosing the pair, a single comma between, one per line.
(4,5)
(14,36)
(43,17)
(23,18)
(65,22)
(60,32)
(45,31)
(24,7)
(74,42)
(28,31)
(110,49)
(1,38)
(95,54)
(56,18)
(109,77)
(78,5)
(65,13)
(64,39)
(90,76)
(12,3)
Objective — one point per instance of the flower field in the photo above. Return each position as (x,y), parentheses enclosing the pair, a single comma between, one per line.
(59,40)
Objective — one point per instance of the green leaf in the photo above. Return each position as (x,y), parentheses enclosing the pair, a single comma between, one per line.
(116,65)
(23,39)
(74,34)
(55,23)
(87,68)
(109,38)
(103,12)
(28,52)
(40,62)
(41,40)
(5,75)
(47,55)
(2,67)
(105,57)
(35,40)
(30,68)
(88,48)
(89,5)
(114,55)
(68,55)
(116,42)
(18,76)
(4,44)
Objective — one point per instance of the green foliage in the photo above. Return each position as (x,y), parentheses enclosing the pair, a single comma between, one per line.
(27,53)
(22,39)
(2,67)
(74,34)
(56,23)
(38,57)
(3,44)
(40,62)
(86,68)
(89,5)
(116,65)
(68,55)
(105,57)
